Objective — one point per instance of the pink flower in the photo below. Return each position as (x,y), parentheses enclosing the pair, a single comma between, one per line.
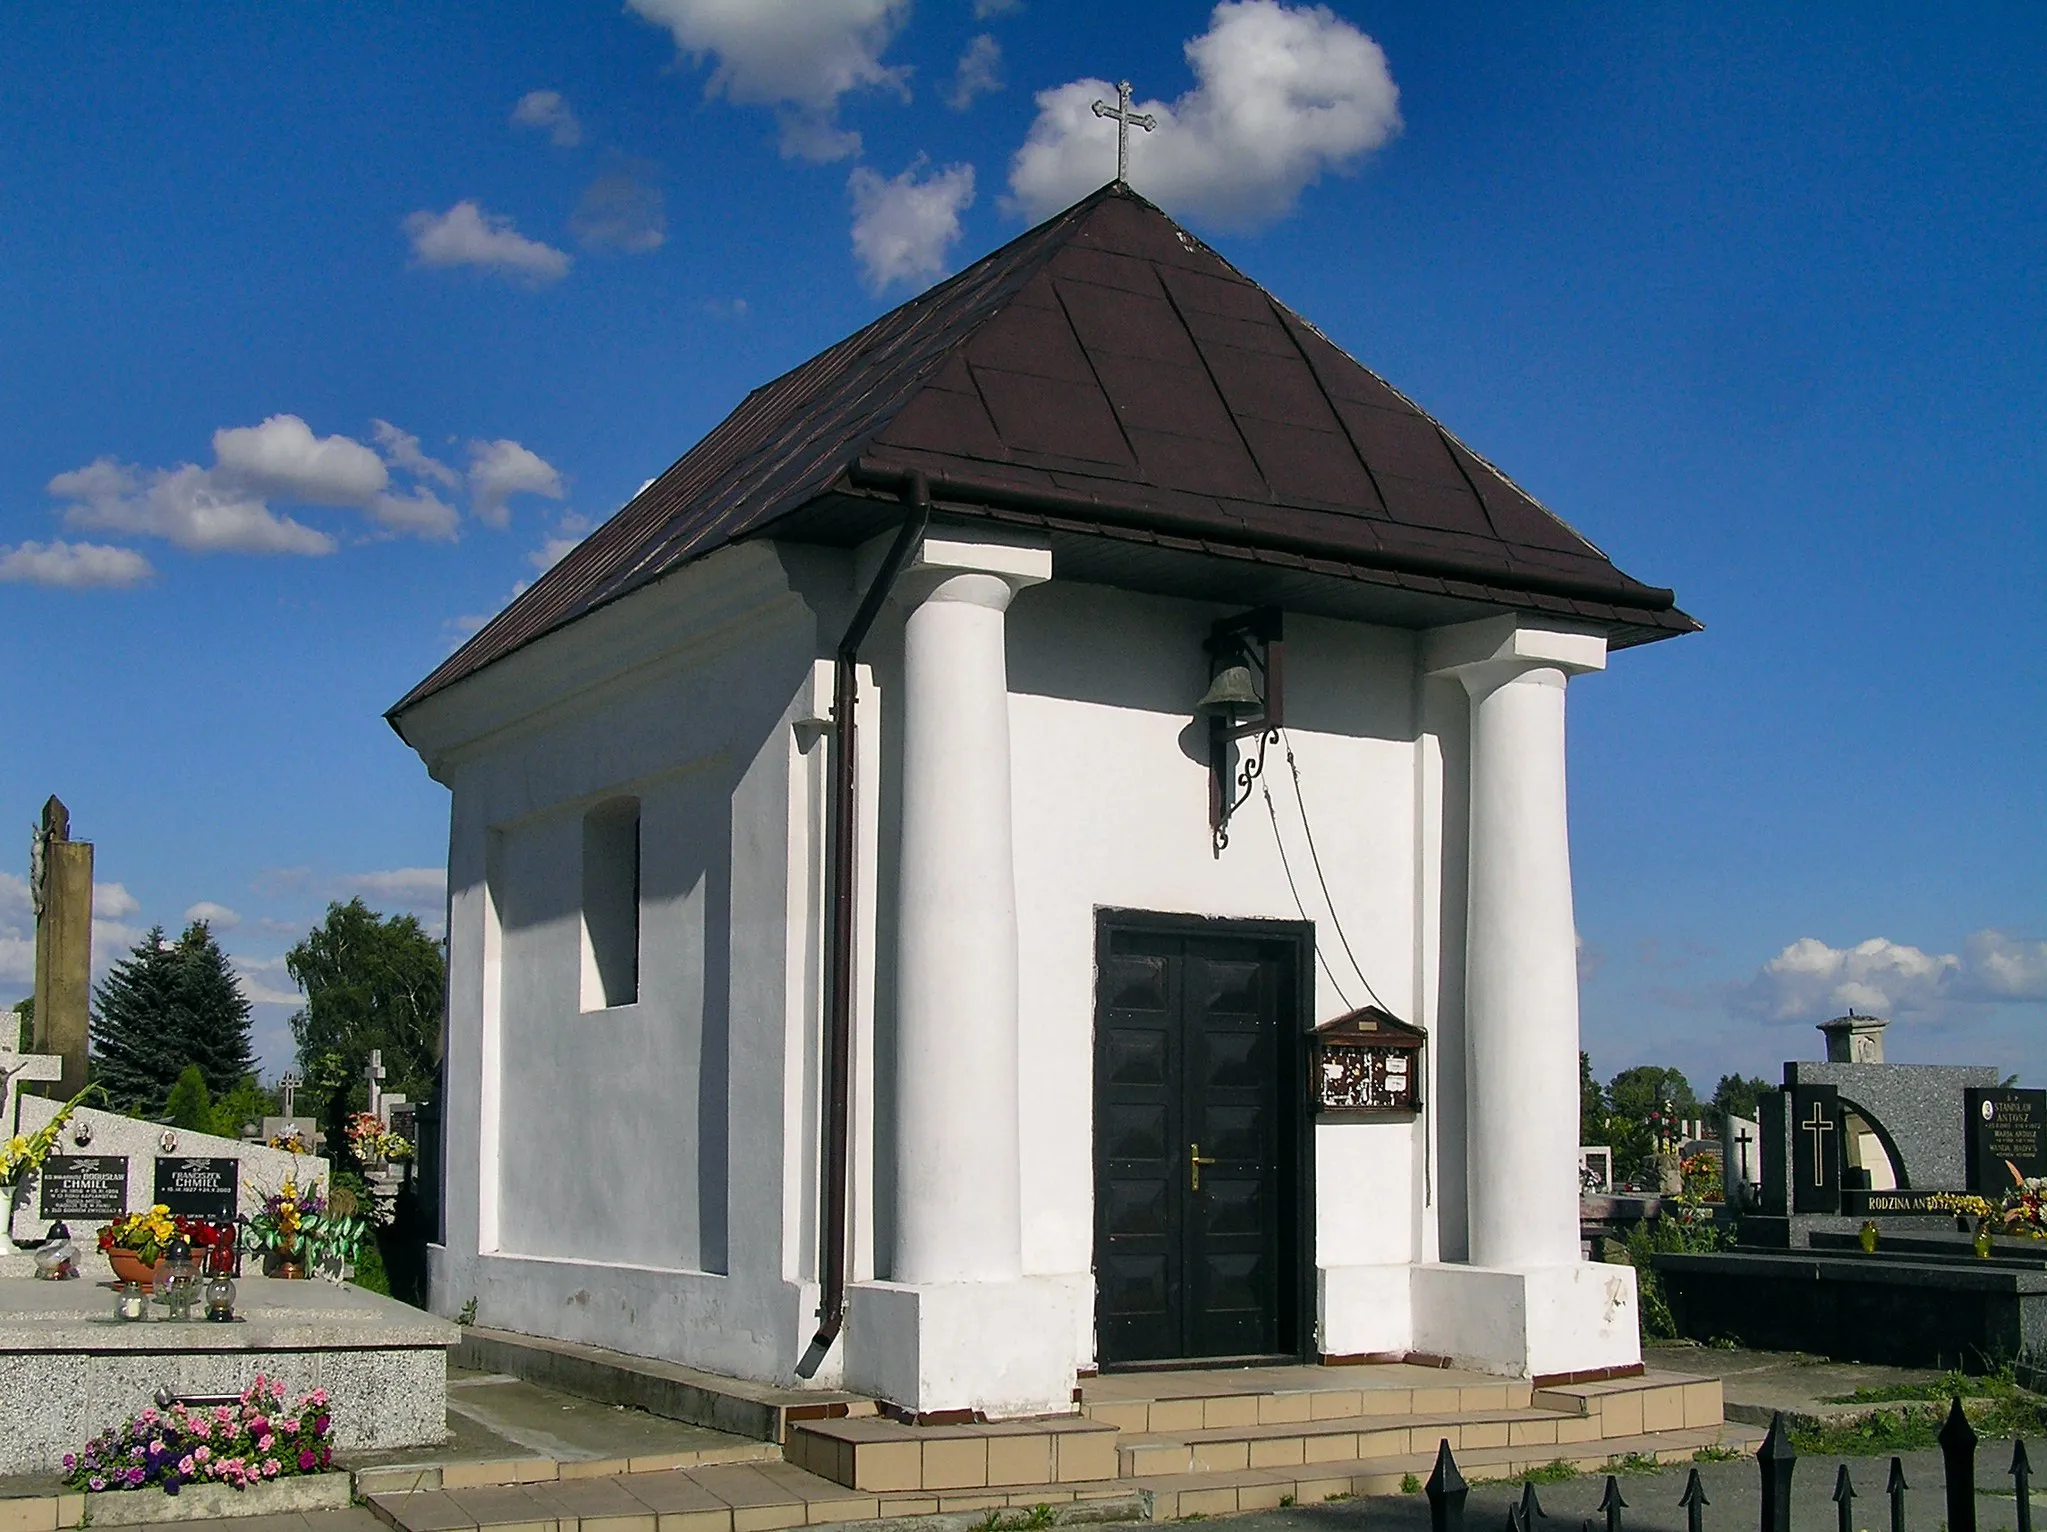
(265,1442)
(306,1460)
(270,1468)
(319,1425)
(202,1455)
(318,1396)
(201,1427)
(258,1425)
(291,1425)
(70,1460)
(185,1465)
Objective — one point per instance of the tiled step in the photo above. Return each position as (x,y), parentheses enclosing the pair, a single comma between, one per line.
(1653,1401)
(879,1454)
(1151,1404)
(398,1478)
(760,1497)
(1361,1437)
(1264,1489)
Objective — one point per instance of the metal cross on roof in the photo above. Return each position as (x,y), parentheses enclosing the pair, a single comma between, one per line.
(1125,121)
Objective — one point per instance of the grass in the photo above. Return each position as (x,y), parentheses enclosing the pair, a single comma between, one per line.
(1286,1502)
(1033,1520)
(1914,1426)
(1949,1385)
(1633,1462)
(1717,1454)
(1551,1473)
(1410,1484)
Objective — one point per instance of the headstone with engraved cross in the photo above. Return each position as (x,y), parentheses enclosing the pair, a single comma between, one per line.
(1125,120)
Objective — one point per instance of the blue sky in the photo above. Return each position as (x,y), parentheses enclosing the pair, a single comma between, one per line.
(325,326)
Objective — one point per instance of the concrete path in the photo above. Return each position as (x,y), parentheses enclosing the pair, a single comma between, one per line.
(1757,1383)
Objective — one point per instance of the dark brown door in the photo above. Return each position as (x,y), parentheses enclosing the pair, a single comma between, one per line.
(1194,1147)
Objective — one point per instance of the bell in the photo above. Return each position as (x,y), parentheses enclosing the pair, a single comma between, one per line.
(1232,691)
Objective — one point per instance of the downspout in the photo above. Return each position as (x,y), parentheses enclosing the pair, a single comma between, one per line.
(842,820)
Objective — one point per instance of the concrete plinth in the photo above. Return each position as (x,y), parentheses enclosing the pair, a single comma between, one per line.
(999,1349)
(1545,1322)
(69,1369)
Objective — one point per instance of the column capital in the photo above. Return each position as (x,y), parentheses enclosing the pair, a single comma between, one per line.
(1495,650)
(1016,559)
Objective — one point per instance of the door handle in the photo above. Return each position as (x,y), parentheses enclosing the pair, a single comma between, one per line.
(1195,1160)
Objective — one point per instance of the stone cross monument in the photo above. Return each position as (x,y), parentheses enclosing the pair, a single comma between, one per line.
(60,887)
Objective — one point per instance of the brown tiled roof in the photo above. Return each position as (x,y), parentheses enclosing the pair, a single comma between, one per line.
(1112,360)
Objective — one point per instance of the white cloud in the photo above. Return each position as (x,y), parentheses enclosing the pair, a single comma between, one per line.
(569,532)
(282,458)
(978,72)
(1283,95)
(112,901)
(797,56)
(421,514)
(500,469)
(621,210)
(1810,981)
(184,505)
(402,451)
(465,235)
(549,112)
(983,9)
(902,228)
(218,916)
(73,566)
(266,981)
(420,890)
(734,309)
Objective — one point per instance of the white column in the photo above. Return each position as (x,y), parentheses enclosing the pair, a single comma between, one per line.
(957,1157)
(1521,972)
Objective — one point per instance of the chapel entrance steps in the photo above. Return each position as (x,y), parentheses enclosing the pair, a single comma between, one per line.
(1280,1431)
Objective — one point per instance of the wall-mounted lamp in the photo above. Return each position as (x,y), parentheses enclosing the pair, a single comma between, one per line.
(1245,699)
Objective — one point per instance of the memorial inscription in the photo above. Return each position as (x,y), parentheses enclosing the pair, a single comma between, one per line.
(84,1186)
(198,1188)
(2006,1127)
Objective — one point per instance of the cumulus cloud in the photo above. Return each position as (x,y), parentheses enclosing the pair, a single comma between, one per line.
(500,469)
(186,505)
(466,235)
(978,72)
(902,228)
(283,458)
(567,533)
(402,450)
(266,981)
(112,901)
(551,114)
(1810,980)
(226,508)
(218,916)
(983,9)
(621,210)
(1284,94)
(796,56)
(73,566)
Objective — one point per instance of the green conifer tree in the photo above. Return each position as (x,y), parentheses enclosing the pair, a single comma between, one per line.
(190,1104)
(165,1006)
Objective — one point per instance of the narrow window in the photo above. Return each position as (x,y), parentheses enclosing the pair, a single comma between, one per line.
(611,904)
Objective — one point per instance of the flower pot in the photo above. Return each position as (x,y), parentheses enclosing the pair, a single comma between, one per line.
(128,1267)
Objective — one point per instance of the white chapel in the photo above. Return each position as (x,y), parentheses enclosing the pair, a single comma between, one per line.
(1037,847)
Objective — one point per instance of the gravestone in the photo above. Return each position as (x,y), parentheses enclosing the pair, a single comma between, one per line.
(2006,1127)
(17,1070)
(1815,1169)
(83,1186)
(199,1187)
(1741,1166)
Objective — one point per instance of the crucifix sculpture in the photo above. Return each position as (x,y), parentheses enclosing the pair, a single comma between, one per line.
(1819,1126)
(289,1085)
(1125,121)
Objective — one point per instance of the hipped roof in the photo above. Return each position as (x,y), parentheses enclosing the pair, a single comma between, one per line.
(1111,361)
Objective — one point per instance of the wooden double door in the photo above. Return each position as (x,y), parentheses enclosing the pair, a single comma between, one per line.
(1199,1155)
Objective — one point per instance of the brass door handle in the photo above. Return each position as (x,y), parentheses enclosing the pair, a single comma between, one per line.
(1195,1160)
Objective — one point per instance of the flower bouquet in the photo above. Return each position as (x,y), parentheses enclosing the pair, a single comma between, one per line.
(22,1155)
(252,1442)
(2022,1212)
(134,1243)
(373,1143)
(298,1232)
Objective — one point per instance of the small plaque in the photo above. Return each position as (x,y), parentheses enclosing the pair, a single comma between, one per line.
(199,1188)
(1367,1061)
(2005,1126)
(84,1186)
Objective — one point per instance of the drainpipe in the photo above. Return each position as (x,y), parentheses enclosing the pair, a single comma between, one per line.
(842,819)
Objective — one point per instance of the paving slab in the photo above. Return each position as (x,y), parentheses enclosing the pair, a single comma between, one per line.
(1756,1384)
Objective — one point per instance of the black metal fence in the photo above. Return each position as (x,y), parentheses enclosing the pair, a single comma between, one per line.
(1776,1461)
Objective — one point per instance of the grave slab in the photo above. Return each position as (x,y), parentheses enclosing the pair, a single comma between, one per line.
(70,1369)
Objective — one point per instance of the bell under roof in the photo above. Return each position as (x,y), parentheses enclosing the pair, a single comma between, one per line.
(1111,380)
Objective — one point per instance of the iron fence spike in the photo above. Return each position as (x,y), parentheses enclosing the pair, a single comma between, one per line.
(1776,1461)
(1694,1502)
(1531,1506)
(1844,1500)
(1958,1454)
(2022,1485)
(1446,1490)
(1896,1488)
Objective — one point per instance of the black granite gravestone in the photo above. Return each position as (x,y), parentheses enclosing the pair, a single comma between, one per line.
(2006,1127)
(84,1186)
(1815,1149)
(199,1188)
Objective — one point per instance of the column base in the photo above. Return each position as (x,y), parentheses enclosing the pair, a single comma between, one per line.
(1364,1311)
(994,1349)
(1542,1322)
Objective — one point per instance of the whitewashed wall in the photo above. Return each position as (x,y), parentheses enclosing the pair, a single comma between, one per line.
(645,1177)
